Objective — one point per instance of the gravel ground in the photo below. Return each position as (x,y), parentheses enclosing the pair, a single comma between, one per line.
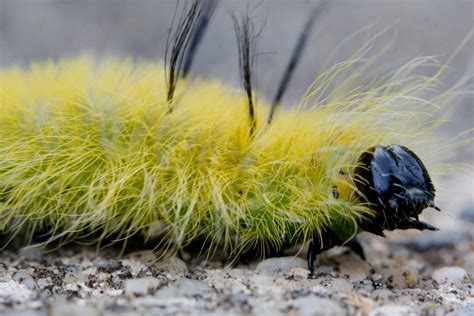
(408,273)
(403,276)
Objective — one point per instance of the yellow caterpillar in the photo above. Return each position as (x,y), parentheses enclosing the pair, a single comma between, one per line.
(106,152)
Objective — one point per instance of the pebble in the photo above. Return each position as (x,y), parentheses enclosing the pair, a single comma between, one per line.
(184,287)
(357,269)
(340,286)
(14,291)
(70,309)
(299,274)
(404,277)
(107,265)
(449,275)
(146,257)
(360,303)
(142,286)
(24,278)
(382,295)
(263,284)
(364,287)
(310,305)
(325,270)
(466,310)
(410,276)
(32,253)
(71,278)
(134,266)
(394,310)
(467,262)
(376,277)
(281,265)
(171,266)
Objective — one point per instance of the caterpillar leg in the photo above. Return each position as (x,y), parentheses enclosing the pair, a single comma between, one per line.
(416,224)
(318,245)
(330,239)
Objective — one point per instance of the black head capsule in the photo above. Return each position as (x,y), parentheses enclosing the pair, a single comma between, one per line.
(396,184)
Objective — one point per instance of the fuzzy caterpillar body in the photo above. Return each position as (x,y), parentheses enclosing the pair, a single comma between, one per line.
(88,149)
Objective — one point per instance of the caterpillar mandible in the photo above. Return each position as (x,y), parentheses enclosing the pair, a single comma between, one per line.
(124,149)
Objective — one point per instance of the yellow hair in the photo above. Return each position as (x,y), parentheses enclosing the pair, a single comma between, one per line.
(91,150)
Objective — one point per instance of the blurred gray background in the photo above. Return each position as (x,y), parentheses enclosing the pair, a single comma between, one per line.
(40,29)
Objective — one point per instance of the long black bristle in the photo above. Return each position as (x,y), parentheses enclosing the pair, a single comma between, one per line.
(295,58)
(247,40)
(189,31)
(207,11)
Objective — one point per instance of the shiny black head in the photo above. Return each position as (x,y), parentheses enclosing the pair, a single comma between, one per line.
(395,183)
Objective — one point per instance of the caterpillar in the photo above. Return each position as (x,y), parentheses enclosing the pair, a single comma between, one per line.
(124,149)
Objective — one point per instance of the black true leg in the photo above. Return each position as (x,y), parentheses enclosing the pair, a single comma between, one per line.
(413,223)
(311,257)
(355,246)
(318,245)
(329,240)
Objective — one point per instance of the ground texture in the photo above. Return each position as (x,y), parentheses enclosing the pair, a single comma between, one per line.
(408,273)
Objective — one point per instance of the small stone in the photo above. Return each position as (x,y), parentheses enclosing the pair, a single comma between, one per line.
(70,309)
(135,267)
(403,277)
(184,287)
(466,310)
(262,283)
(310,305)
(72,277)
(411,277)
(125,274)
(377,277)
(382,295)
(449,275)
(394,310)
(146,257)
(24,278)
(341,286)
(357,269)
(280,266)
(14,291)
(142,286)
(325,270)
(467,262)
(171,266)
(364,287)
(77,269)
(32,253)
(360,302)
(107,266)
(299,274)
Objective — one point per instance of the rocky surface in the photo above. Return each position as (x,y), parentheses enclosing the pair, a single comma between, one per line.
(407,273)
(396,279)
